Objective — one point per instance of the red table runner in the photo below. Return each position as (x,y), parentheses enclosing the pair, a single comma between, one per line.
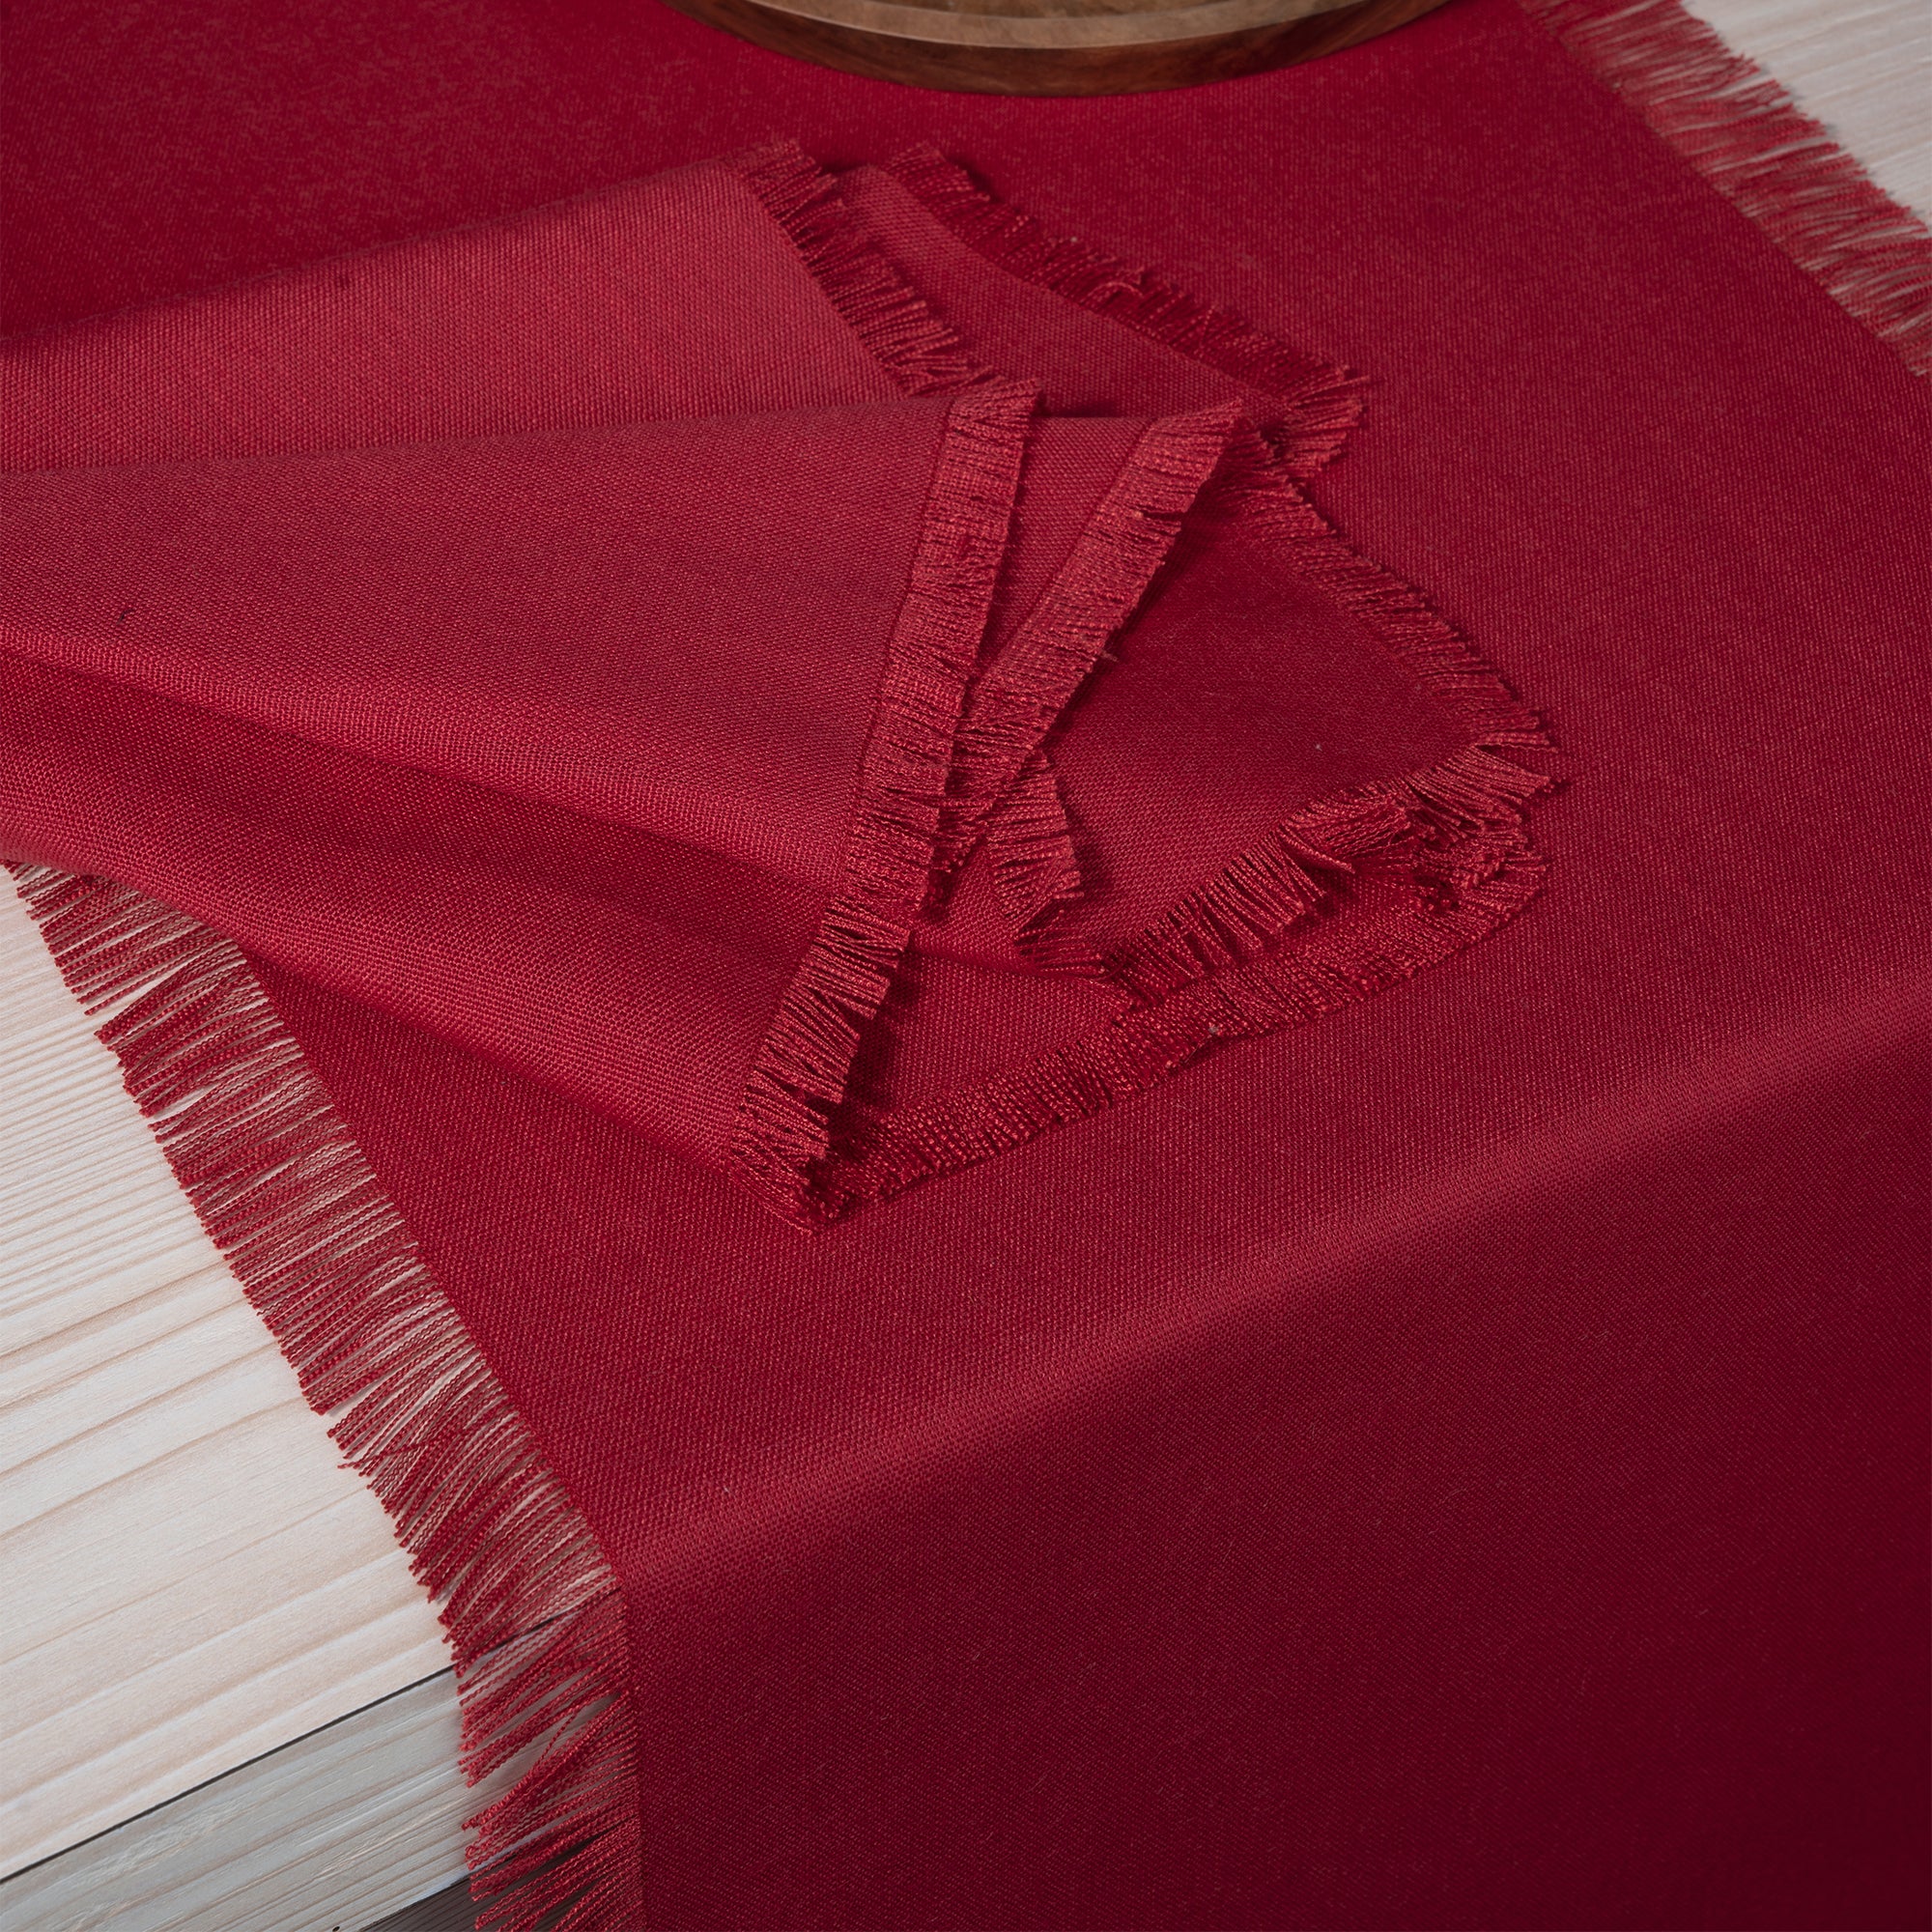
(625,746)
(1454,1464)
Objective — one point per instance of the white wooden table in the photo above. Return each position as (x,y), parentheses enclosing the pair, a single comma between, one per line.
(224,1705)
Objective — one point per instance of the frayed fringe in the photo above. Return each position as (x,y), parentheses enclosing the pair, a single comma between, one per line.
(1382,882)
(1320,402)
(1450,821)
(1739,128)
(1421,640)
(1016,700)
(532,1611)
(782,1129)
(1253,900)
(1037,872)
(1375,884)
(1440,857)
(1447,829)
(889,318)
(1392,930)
(547,1853)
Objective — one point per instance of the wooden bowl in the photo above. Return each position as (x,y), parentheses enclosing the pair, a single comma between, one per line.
(1055,47)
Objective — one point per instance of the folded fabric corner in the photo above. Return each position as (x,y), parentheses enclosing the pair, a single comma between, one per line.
(609,640)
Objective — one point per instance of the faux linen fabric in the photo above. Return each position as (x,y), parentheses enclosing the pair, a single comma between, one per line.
(627,748)
(444,791)
(565,743)
(1458,1463)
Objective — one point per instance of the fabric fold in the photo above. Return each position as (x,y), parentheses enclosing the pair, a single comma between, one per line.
(606,639)
(1448,1462)
(509,739)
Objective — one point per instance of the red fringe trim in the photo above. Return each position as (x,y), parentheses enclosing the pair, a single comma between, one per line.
(888,316)
(1453,826)
(1036,872)
(1403,874)
(1426,645)
(1740,131)
(1377,882)
(1451,821)
(1392,930)
(1321,402)
(782,1128)
(1253,900)
(535,1621)
(1017,699)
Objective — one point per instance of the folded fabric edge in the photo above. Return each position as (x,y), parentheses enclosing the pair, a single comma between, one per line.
(1443,853)
(1253,899)
(891,319)
(1037,876)
(1392,931)
(781,1133)
(1351,895)
(532,1609)
(1455,822)
(1020,695)
(1320,401)
(1736,124)
(1444,814)
(1011,795)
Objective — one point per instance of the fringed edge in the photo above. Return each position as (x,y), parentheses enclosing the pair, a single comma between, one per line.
(1019,696)
(1402,875)
(1449,815)
(1319,401)
(535,1621)
(1372,885)
(1428,649)
(1450,826)
(1742,132)
(1253,900)
(783,1129)
(1392,930)
(1036,873)
(888,315)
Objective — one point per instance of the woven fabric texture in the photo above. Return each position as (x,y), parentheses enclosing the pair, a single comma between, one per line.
(1459,1462)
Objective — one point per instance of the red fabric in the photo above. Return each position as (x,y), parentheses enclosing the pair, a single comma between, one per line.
(1460,1462)
(367,821)
(625,749)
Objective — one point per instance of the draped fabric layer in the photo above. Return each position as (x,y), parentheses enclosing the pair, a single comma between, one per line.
(558,734)
(601,697)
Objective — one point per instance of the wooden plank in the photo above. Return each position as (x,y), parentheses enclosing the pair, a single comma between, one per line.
(343,1828)
(451,1910)
(1861,67)
(188,1577)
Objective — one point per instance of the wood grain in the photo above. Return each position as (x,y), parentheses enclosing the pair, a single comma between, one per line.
(1863,68)
(188,1577)
(451,1910)
(337,1831)
(1102,49)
